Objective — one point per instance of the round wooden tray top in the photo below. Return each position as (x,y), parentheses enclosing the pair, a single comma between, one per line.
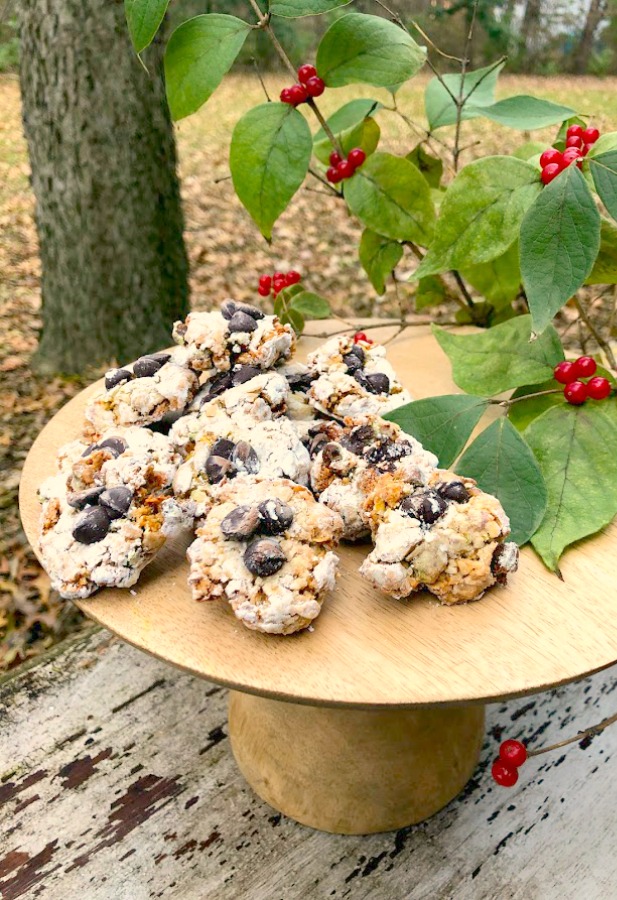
(367,650)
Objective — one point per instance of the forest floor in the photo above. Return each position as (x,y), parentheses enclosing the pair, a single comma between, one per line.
(226,253)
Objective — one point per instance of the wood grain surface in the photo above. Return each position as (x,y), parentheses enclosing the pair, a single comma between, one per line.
(368,650)
(117,782)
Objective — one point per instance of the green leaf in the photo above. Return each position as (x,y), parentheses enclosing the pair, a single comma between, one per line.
(349,115)
(481,213)
(199,53)
(390,196)
(143,18)
(364,134)
(604,143)
(294,318)
(269,157)
(430,166)
(524,412)
(312,306)
(441,424)
(560,239)
(563,129)
(294,9)
(430,291)
(575,449)
(498,280)
(524,112)
(368,49)
(530,149)
(502,463)
(605,267)
(439,105)
(604,171)
(501,358)
(379,257)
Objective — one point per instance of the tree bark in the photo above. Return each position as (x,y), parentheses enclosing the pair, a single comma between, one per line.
(595,14)
(108,212)
(530,30)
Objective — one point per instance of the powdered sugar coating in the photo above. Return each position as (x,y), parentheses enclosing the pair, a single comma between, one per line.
(288,600)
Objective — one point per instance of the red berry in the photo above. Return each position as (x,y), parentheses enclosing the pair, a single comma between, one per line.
(345,169)
(292,277)
(598,388)
(278,275)
(586,149)
(564,372)
(333,175)
(570,155)
(575,392)
(335,158)
(298,94)
(504,774)
(585,367)
(549,172)
(285,96)
(550,156)
(265,281)
(590,135)
(361,336)
(574,131)
(306,72)
(315,86)
(513,752)
(574,141)
(356,157)
(263,291)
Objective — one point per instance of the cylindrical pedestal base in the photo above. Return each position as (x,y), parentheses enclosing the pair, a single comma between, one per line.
(353,771)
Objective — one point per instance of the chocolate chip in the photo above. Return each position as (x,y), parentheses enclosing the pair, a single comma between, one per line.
(357,350)
(358,439)
(117,376)
(228,308)
(245,459)
(116,501)
(242,374)
(241,523)
(241,321)
(217,386)
(361,378)
(276,516)
(217,468)
(146,366)
(300,383)
(88,450)
(223,447)
(388,451)
(252,311)
(81,499)
(162,357)
(378,383)
(454,490)
(427,506)
(316,443)
(115,444)
(163,425)
(92,525)
(352,362)
(264,557)
(504,561)
(331,453)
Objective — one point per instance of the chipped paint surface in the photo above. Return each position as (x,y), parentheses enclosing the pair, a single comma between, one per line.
(117,781)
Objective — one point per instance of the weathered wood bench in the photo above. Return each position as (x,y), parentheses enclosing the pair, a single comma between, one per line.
(117,781)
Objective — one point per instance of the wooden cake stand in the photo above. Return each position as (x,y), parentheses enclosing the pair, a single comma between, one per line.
(372,720)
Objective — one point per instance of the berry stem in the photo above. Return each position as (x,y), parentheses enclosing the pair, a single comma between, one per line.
(508,403)
(589,732)
(599,339)
(319,177)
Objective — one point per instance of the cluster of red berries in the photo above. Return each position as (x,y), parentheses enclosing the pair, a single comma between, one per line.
(577,391)
(578,142)
(344,168)
(512,755)
(311,85)
(275,283)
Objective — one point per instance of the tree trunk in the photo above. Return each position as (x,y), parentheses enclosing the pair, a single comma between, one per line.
(595,14)
(103,163)
(530,31)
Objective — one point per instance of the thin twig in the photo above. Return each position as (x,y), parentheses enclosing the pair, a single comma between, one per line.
(433,45)
(492,68)
(599,339)
(461,101)
(316,191)
(222,178)
(323,180)
(512,400)
(588,733)
(463,289)
(261,81)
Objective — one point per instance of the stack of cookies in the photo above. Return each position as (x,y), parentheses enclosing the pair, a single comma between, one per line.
(271,463)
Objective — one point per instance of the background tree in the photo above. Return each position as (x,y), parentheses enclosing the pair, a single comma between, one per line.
(108,213)
(595,13)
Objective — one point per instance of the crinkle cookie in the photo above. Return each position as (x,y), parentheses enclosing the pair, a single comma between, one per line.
(267,548)
(98,537)
(150,390)
(242,432)
(448,537)
(238,334)
(354,379)
(347,461)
